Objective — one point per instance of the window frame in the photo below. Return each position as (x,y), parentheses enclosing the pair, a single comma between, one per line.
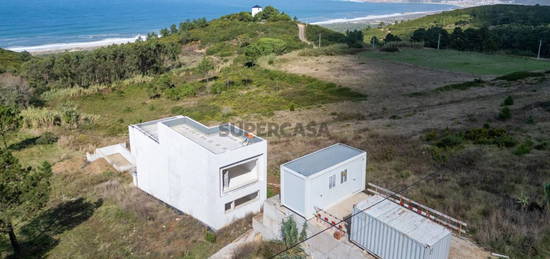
(344,176)
(332,181)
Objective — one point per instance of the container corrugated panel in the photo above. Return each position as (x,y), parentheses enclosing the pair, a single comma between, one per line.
(392,232)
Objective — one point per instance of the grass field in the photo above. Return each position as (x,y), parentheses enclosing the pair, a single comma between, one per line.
(461,61)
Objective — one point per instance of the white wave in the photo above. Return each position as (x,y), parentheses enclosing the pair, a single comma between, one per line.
(372,17)
(75,45)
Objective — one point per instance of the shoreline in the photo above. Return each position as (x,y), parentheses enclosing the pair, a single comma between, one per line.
(380,18)
(73,46)
(55,48)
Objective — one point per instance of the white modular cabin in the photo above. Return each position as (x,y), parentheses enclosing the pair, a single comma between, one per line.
(322,179)
(215,174)
(391,231)
(256,9)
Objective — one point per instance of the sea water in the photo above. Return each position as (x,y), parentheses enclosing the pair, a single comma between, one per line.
(59,24)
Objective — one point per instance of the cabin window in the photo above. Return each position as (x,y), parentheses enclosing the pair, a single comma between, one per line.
(344,176)
(332,181)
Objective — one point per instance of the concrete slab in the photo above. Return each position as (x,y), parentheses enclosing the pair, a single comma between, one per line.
(345,207)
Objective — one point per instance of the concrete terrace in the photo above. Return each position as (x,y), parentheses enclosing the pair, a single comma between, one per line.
(216,139)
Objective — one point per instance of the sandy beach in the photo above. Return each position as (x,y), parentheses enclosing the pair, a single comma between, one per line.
(375,19)
(76,46)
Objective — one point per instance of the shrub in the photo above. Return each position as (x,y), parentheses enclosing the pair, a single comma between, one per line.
(547,194)
(265,46)
(530,120)
(450,141)
(354,39)
(389,49)
(332,50)
(524,148)
(508,101)
(210,236)
(519,76)
(460,86)
(46,138)
(504,114)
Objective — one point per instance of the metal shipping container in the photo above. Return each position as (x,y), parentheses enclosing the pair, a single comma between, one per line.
(390,231)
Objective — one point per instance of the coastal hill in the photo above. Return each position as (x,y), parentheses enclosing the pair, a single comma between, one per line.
(474,17)
(516,29)
(478,120)
(468,3)
(11,61)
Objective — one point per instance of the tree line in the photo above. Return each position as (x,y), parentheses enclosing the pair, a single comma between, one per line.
(101,66)
(514,39)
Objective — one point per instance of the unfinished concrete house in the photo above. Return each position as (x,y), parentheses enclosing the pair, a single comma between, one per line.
(215,174)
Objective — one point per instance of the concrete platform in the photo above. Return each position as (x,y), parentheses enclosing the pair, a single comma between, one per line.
(344,208)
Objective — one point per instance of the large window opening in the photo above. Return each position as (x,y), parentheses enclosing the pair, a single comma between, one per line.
(241,201)
(236,176)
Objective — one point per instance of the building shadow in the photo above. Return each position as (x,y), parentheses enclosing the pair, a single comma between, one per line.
(38,236)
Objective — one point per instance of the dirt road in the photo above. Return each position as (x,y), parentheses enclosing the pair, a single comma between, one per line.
(302,33)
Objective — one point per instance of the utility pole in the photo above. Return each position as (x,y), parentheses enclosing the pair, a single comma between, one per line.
(540,47)
(438,41)
(319,40)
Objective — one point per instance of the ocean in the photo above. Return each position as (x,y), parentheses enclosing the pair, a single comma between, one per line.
(39,25)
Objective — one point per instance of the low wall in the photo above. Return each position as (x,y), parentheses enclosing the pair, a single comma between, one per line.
(104,152)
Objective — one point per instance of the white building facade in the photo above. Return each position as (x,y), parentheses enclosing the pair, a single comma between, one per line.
(215,174)
(322,179)
(256,9)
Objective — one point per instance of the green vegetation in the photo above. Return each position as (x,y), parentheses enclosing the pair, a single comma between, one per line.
(524,148)
(480,136)
(289,232)
(328,37)
(508,101)
(10,122)
(210,236)
(23,192)
(354,39)
(461,86)
(504,114)
(460,61)
(11,61)
(512,28)
(515,76)
(102,66)
(331,50)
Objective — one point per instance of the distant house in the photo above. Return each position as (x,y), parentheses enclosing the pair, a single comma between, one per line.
(321,179)
(215,174)
(256,9)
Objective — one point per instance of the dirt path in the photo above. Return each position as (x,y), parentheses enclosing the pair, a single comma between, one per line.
(302,34)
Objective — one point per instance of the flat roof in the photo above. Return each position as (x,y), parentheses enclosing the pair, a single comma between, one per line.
(403,220)
(217,139)
(322,159)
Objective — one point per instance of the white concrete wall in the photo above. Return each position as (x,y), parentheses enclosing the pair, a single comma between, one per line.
(149,161)
(186,176)
(321,196)
(222,218)
(256,11)
(293,191)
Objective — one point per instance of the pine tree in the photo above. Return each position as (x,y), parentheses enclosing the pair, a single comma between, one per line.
(23,192)
(10,121)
